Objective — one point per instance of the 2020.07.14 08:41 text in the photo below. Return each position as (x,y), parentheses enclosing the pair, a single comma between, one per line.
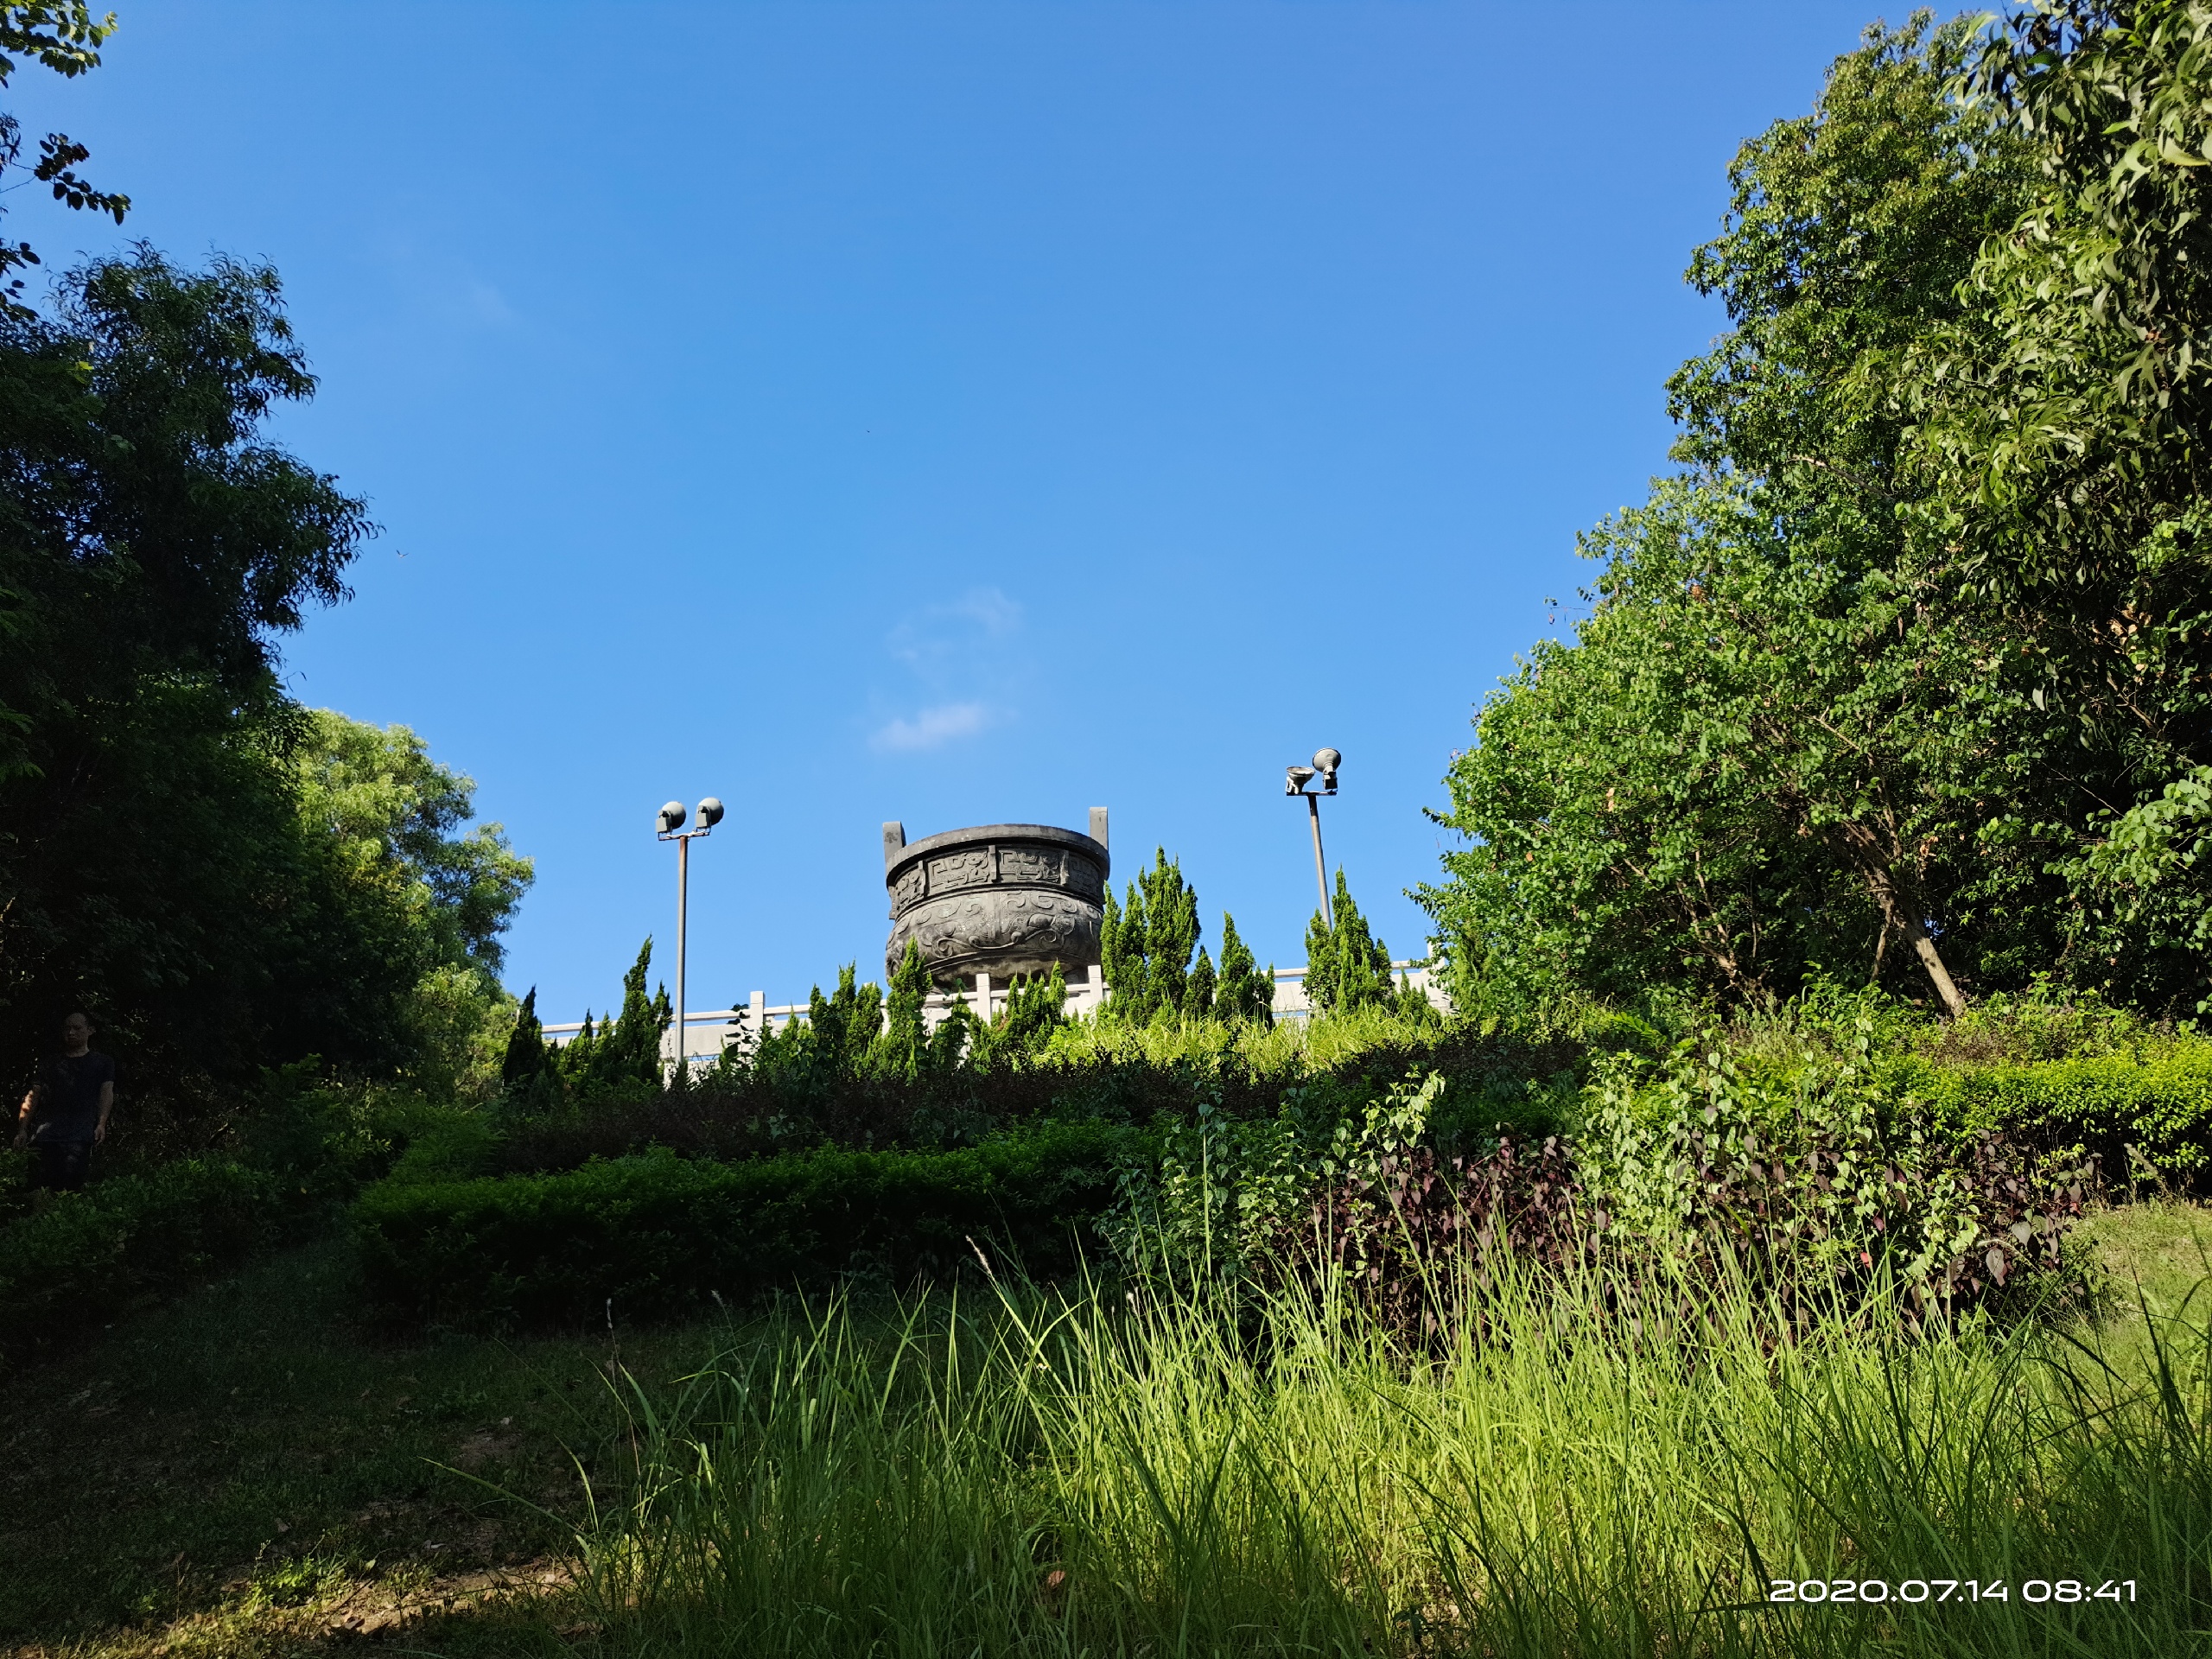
(1970,1591)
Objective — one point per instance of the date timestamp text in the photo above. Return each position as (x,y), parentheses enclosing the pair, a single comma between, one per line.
(1968,1591)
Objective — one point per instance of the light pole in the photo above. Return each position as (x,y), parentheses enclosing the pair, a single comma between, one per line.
(1326,762)
(671,829)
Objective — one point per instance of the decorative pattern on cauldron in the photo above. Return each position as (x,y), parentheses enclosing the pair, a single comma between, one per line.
(1002,898)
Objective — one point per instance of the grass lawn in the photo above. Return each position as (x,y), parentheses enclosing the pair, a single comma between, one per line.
(251,1473)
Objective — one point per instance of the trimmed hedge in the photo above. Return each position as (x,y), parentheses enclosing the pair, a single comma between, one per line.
(2160,1104)
(124,1241)
(656,1236)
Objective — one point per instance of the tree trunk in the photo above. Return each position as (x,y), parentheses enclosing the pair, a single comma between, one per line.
(1932,960)
(1901,915)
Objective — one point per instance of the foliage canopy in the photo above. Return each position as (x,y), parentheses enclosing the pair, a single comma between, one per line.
(1904,673)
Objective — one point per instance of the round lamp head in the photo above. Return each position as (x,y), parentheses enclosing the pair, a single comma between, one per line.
(1326,760)
(710,812)
(671,817)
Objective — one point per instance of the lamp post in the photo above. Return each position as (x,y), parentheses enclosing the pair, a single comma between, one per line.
(1326,762)
(671,829)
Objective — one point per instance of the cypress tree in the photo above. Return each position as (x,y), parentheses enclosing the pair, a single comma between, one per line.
(825,1026)
(573,1059)
(898,1051)
(526,1057)
(644,1021)
(1410,1002)
(843,1027)
(626,1049)
(1170,934)
(1198,995)
(1128,972)
(948,1044)
(1346,968)
(1321,965)
(529,1075)
(862,1025)
(1109,939)
(1036,1007)
(1246,995)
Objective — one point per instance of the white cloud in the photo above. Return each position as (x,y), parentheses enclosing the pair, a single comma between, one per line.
(957,638)
(481,302)
(444,285)
(965,665)
(998,615)
(931,728)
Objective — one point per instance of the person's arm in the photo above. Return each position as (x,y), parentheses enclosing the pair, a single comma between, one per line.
(107,1105)
(24,1115)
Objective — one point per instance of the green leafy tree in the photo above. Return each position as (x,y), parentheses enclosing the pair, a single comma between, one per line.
(2059,437)
(392,823)
(65,39)
(397,818)
(1750,761)
(1796,729)
(153,546)
(2150,875)
(1346,967)
(1898,717)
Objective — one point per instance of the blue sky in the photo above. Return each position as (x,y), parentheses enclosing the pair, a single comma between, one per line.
(946,412)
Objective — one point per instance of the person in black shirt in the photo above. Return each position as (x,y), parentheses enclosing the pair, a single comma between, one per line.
(65,1113)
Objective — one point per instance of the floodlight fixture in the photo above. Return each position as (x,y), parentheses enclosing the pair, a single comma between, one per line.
(1326,762)
(672,819)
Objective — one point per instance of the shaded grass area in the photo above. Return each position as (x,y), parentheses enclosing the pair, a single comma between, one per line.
(227,1469)
(253,1473)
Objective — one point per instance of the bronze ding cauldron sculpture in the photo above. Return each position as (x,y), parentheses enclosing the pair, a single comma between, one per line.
(1001,899)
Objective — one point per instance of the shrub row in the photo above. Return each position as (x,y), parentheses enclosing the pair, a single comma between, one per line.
(2159,1106)
(1118,1074)
(295,1156)
(655,1236)
(91,1256)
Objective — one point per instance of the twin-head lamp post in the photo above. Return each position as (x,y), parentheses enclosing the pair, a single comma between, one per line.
(1326,762)
(671,820)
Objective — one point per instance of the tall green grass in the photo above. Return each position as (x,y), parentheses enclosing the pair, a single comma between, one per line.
(1602,1473)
